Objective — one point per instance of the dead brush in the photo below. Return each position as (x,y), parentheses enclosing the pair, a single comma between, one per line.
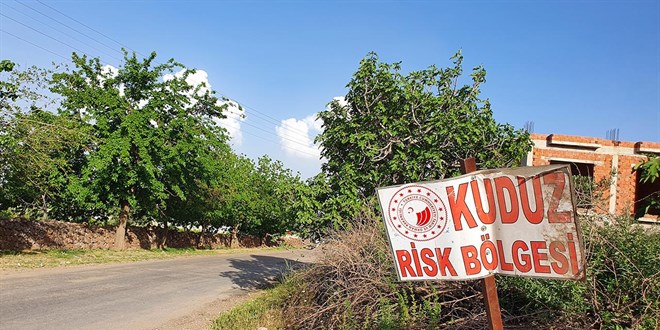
(621,290)
(354,286)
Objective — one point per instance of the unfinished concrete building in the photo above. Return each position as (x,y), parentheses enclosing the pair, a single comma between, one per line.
(607,164)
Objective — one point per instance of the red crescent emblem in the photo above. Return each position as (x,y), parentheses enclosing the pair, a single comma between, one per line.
(417,212)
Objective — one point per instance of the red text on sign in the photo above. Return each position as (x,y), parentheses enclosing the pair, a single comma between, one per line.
(511,197)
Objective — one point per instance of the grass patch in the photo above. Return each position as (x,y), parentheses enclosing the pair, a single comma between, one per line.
(263,310)
(59,258)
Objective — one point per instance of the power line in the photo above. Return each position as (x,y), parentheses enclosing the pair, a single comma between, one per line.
(258,114)
(261,115)
(33,44)
(267,118)
(89,27)
(90,135)
(281,137)
(271,133)
(270,140)
(273,120)
(67,26)
(46,35)
(246,123)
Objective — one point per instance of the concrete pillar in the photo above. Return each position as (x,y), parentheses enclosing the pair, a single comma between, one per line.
(613,186)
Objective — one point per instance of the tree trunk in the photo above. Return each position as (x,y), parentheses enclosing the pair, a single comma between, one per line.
(120,236)
(163,236)
(200,236)
(234,237)
(44,207)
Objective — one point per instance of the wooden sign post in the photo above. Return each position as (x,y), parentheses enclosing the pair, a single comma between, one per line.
(488,286)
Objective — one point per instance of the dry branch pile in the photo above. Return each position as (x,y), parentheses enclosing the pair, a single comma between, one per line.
(354,286)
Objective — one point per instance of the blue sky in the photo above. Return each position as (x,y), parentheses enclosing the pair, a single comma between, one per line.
(571,67)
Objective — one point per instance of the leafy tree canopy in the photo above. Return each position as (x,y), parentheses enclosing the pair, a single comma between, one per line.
(38,149)
(396,128)
(154,131)
(650,169)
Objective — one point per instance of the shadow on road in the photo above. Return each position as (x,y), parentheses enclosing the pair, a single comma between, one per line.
(260,271)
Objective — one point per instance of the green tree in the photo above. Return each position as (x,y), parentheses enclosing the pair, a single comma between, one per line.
(23,89)
(649,171)
(152,132)
(205,206)
(397,128)
(40,150)
(275,187)
(310,219)
(256,198)
(8,90)
(8,95)
(237,204)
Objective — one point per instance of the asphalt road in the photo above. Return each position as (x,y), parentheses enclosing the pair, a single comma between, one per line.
(140,295)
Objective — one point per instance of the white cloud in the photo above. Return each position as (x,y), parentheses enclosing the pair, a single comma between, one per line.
(235,115)
(193,79)
(297,137)
(341,100)
(142,103)
(109,71)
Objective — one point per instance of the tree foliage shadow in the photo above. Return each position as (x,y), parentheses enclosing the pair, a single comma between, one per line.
(141,234)
(260,272)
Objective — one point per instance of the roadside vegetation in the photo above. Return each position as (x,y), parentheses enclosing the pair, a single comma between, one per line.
(62,258)
(396,128)
(138,145)
(141,145)
(264,309)
(354,286)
